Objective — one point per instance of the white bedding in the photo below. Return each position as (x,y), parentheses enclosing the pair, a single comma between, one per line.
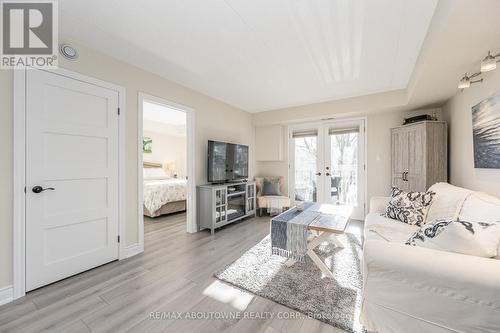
(158,192)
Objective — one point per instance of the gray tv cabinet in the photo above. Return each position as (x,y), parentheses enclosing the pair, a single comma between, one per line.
(219,205)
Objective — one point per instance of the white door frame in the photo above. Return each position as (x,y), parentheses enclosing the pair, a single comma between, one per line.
(347,122)
(191,225)
(19,169)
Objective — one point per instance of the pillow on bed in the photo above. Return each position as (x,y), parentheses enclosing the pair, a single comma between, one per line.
(154,173)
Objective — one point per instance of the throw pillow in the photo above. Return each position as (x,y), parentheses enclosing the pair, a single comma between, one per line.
(472,238)
(409,207)
(271,187)
(481,207)
(447,202)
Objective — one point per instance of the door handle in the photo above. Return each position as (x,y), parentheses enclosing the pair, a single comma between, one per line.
(327,174)
(318,173)
(38,189)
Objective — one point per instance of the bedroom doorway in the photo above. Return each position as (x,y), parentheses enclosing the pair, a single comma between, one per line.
(166,162)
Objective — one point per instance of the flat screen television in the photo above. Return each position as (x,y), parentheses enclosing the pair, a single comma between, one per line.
(227,162)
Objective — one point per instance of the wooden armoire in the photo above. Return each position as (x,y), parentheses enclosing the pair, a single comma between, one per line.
(419,155)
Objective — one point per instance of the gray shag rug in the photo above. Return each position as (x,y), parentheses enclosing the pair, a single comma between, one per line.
(302,287)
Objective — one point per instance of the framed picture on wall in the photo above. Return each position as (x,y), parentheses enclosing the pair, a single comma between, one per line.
(147,145)
(486,133)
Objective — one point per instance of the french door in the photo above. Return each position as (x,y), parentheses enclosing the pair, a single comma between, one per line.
(327,164)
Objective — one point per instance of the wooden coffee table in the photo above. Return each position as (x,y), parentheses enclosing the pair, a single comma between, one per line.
(325,228)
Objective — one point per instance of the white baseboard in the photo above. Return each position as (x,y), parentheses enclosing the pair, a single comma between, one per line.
(132,250)
(6,295)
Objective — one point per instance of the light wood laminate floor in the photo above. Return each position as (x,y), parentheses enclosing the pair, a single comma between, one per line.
(174,274)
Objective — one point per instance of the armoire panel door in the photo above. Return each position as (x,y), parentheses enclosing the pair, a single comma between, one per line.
(400,183)
(399,154)
(416,158)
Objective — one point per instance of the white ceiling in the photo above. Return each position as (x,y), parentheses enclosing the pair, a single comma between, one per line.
(163,128)
(161,119)
(163,114)
(260,55)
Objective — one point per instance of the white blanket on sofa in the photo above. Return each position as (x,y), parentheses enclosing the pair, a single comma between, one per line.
(380,227)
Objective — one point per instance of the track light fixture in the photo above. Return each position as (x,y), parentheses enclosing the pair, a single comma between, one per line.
(466,80)
(489,63)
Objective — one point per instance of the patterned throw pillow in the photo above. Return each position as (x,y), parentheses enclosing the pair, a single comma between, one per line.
(409,207)
(472,238)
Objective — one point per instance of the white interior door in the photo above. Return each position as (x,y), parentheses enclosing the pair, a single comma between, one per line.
(72,189)
(327,164)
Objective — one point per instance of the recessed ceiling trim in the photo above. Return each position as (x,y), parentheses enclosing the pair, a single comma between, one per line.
(259,55)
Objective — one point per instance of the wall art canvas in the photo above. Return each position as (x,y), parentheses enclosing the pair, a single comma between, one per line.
(486,133)
(147,145)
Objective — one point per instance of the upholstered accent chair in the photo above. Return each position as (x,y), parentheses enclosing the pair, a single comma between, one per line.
(262,200)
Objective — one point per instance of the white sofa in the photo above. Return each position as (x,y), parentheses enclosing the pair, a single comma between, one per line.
(414,289)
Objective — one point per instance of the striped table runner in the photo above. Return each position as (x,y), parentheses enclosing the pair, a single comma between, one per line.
(289,231)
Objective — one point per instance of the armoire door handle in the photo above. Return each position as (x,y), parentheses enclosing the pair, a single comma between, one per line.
(318,173)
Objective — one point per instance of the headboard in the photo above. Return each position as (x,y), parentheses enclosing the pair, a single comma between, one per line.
(151,165)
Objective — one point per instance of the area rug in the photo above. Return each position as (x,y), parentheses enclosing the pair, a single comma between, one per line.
(302,287)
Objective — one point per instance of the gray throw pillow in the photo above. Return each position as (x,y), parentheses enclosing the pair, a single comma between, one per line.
(271,187)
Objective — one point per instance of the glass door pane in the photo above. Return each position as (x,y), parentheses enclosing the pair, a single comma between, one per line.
(344,168)
(305,162)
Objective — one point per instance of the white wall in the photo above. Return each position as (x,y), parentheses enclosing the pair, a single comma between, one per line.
(167,149)
(458,113)
(214,120)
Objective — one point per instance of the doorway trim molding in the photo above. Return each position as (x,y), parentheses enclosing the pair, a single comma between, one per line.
(312,124)
(191,225)
(19,169)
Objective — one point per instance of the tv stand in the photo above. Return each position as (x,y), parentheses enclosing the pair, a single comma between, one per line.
(222,204)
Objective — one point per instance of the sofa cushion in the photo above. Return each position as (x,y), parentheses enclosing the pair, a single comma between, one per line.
(481,207)
(472,238)
(379,227)
(450,291)
(409,207)
(447,201)
(262,201)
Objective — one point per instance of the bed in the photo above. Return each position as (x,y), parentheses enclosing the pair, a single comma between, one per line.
(161,193)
